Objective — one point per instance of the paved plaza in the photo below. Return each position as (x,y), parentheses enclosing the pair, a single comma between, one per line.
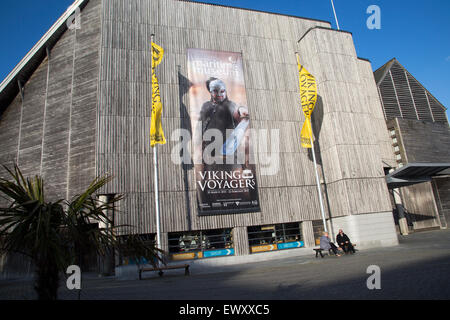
(418,268)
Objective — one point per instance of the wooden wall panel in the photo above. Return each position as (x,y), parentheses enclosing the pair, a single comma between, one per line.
(419,201)
(419,147)
(56,123)
(348,128)
(442,196)
(96,108)
(267,44)
(267,71)
(57,131)
(240,241)
(9,137)
(368,195)
(32,121)
(9,133)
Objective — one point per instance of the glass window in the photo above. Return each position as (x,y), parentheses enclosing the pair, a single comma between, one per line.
(271,234)
(196,241)
(261,235)
(292,232)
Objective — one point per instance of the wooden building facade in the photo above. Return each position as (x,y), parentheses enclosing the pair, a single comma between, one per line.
(82,108)
(420,134)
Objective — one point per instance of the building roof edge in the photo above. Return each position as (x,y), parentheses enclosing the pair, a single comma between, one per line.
(22,71)
(254,10)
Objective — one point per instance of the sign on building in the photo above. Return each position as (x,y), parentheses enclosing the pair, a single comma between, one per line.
(225,175)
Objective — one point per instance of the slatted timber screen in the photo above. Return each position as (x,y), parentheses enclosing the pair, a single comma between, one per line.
(420,99)
(404,97)
(388,95)
(438,112)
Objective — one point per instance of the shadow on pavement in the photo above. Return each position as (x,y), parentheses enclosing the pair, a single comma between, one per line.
(416,269)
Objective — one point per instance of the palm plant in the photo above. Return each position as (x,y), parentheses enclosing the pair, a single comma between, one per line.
(57,234)
(83,210)
(135,248)
(31,226)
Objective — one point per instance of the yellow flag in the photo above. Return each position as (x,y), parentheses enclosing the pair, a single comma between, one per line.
(306,134)
(156,131)
(308,98)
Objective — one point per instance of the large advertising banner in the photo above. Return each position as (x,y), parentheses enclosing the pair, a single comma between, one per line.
(220,119)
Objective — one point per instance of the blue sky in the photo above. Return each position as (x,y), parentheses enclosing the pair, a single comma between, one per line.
(416,32)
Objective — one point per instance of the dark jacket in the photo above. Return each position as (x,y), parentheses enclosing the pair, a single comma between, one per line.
(342,238)
(218,116)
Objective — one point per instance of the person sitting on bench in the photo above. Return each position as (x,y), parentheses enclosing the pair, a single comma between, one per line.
(344,242)
(326,244)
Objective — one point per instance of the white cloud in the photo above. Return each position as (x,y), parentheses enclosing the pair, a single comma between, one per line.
(447,59)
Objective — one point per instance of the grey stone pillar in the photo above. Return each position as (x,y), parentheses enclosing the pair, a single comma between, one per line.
(240,241)
(165,243)
(308,234)
(402,223)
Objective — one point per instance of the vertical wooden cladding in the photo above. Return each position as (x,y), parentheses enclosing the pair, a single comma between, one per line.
(78,120)
(438,111)
(442,196)
(9,137)
(240,240)
(30,144)
(375,108)
(57,127)
(390,102)
(417,144)
(267,43)
(420,203)
(404,97)
(420,99)
(269,104)
(9,132)
(348,138)
(56,123)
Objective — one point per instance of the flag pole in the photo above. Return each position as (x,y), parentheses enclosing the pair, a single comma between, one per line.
(319,189)
(155,167)
(335,16)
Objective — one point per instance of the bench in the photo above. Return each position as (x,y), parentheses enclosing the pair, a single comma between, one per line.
(319,251)
(160,270)
(353,245)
